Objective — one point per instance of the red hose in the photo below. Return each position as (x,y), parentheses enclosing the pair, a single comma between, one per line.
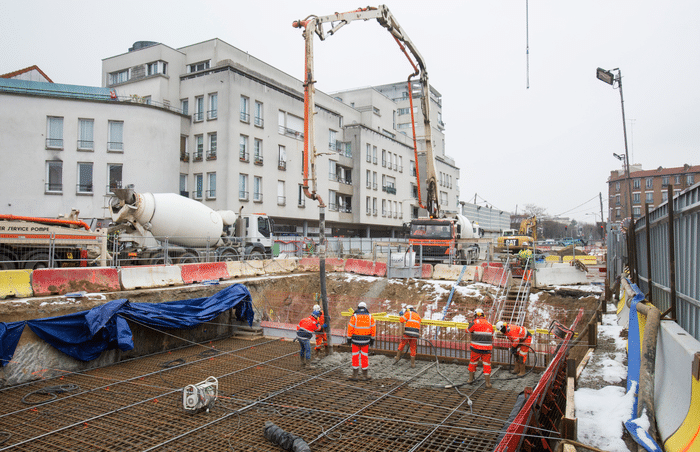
(46,220)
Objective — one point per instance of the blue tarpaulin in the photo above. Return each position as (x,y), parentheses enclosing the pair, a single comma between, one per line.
(85,335)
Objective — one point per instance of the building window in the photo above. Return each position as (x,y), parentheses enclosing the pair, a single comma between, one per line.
(259,114)
(617,200)
(690,179)
(384,207)
(198,148)
(636,183)
(213,111)
(636,198)
(369,179)
(384,158)
(664,196)
(211,152)
(281,198)
(184,155)
(617,186)
(198,186)
(258,150)
(85,134)
(282,158)
(245,113)
(374,207)
(196,67)
(443,198)
(211,183)
(114,175)
(665,180)
(257,189)
(374,180)
(183,186)
(54,176)
(157,67)
(400,164)
(649,197)
(84,178)
(116,136)
(243,149)
(119,77)
(636,211)
(677,179)
(185,106)
(649,182)
(54,132)
(617,212)
(331,141)
(369,153)
(243,187)
(301,198)
(414,191)
(413,168)
(374,154)
(198,109)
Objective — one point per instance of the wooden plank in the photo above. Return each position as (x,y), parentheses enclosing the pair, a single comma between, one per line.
(569,422)
(583,362)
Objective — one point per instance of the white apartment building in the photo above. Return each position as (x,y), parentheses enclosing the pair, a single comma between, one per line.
(216,124)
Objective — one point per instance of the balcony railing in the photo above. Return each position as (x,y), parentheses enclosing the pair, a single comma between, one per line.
(400,169)
(243,156)
(54,143)
(374,212)
(197,156)
(389,189)
(245,117)
(333,207)
(84,145)
(333,177)
(282,165)
(281,200)
(212,114)
(211,194)
(258,121)
(374,185)
(198,194)
(115,146)
(211,154)
(291,133)
(198,116)
(384,164)
(258,159)
(83,188)
(184,194)
(242,195)
(112,186)
(257,197)
(184,156)
(369,159)
(374,160)
(53,187)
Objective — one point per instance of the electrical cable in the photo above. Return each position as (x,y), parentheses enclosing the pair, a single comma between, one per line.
(52,391)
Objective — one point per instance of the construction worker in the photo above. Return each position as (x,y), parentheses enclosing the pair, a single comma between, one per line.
(321,337)
(305,331)
(410,320)
(361,333)
(520,340)
(481,345)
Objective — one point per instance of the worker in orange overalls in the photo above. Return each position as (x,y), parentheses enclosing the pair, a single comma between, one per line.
(362,330)
(520,340)
(411,332)
(305,331)
(481,345)
(321,337)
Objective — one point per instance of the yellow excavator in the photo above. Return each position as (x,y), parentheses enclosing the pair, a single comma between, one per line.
(513,241)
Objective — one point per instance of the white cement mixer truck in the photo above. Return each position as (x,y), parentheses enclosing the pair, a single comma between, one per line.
(157,228)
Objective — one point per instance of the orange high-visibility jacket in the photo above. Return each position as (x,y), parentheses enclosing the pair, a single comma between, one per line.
(482,335)
(361,327)
(412,321)
(320,322)
(307,326)
(516,334)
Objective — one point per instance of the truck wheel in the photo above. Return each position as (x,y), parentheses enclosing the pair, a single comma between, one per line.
(37,260)
(256,255)
(188,258)
(160,259)
(6,263)
(228,256)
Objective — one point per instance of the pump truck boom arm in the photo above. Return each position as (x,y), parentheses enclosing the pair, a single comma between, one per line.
(314,24)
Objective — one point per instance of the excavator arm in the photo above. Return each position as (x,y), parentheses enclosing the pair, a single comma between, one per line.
(315,25)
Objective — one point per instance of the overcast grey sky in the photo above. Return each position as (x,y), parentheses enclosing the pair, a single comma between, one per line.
(550,145)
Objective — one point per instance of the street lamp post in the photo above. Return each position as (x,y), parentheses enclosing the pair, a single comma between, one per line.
(611,79)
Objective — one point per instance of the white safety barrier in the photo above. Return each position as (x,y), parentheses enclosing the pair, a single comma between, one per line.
(144,277)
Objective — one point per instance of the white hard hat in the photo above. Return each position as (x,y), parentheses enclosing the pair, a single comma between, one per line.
(316,308)
(500,325)
(362,304)
(479,312)
(410,306)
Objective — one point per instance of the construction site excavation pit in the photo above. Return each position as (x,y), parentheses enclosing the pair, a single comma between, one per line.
(136,403)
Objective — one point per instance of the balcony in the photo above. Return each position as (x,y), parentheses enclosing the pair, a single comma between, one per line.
(198,116)
(212,114)
(184,156)
(211,194)
(281,200)
(84,145)
(259,122)
(53,187)
(83,188)
(333,207)
(374,212)
(197,156)
(245,117)
(374,160)
(257,197)
(242,195)
(54,143)
(258,160)
(389,189)
(211,154)
(333,146)
(282,165)
(115,146)
(291,133)
(243,156)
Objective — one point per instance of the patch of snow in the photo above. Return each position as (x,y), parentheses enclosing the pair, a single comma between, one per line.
(601,415)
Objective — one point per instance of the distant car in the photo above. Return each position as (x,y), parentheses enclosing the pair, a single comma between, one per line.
(566,241)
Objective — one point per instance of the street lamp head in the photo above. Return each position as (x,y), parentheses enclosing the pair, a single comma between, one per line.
(619,157)
(605,76)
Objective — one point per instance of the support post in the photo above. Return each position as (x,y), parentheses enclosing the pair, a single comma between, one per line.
(671,253)
(648,234)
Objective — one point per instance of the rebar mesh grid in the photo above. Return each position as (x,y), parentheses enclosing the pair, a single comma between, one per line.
(137,406)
